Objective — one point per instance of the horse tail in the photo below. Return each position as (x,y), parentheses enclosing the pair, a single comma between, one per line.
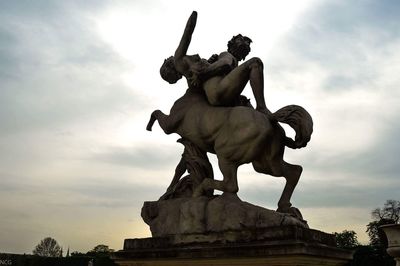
(300,120)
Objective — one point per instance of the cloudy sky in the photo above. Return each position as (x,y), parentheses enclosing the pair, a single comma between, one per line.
(79,79)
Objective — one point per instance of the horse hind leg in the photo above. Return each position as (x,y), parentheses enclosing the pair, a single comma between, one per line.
(164,121)
(290,172)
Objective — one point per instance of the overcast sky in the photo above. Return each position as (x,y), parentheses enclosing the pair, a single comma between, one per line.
(79,79)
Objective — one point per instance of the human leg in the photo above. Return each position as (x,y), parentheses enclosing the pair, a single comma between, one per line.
(231,86)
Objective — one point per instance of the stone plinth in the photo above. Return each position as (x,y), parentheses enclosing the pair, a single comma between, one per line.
(284,245)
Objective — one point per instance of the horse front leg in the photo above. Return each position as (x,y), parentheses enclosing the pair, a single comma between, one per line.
(153,119)
(165,122)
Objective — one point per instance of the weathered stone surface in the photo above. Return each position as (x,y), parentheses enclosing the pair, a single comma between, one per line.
(205,215)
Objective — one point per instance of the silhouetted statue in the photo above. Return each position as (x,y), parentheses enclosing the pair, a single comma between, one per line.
(209,117)
(221,78)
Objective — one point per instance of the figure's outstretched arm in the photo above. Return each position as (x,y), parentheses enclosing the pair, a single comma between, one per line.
(186,38)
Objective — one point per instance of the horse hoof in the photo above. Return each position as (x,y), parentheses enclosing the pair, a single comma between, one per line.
(148,128)
(293,211)
(296,213)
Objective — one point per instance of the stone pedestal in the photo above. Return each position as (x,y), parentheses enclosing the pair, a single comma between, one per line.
(224,230)
(283,245)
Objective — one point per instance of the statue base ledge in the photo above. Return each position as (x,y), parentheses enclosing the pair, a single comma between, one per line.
(290,245)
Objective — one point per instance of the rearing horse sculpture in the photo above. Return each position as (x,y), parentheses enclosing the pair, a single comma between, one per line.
(239,135)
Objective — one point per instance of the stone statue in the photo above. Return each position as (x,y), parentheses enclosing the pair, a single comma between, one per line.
(189,224)
(213,117)
(220,77)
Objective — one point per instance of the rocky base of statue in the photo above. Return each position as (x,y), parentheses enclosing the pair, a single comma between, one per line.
(224,230)
(206,219)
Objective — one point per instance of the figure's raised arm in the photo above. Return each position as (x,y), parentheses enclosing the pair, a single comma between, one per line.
(186,37)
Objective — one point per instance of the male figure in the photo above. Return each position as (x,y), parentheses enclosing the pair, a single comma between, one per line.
(221,78)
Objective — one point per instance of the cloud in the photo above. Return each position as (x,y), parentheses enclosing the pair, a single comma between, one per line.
(346,40)
(56,70)
(379,161)
(61,90)
(141,156)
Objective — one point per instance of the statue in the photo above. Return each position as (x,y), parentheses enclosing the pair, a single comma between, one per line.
(221,78)
(236,134)
(191,225)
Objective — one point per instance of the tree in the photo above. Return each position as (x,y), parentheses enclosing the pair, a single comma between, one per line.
(346,239)
(375,254)
(48,247)
(77,254)
(389,214)
(390,211)
(100,251)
